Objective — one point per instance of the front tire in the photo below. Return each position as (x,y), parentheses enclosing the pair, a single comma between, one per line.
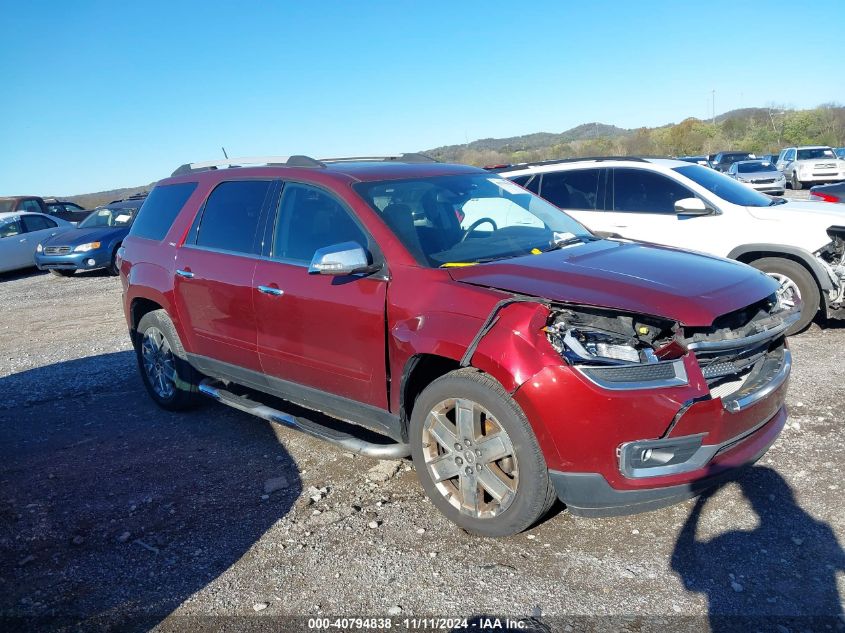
(169,378)
(794,280)
(476,456)
(797,185)
(112,268)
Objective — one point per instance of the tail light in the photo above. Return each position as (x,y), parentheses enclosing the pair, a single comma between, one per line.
(824,197)
(459,213)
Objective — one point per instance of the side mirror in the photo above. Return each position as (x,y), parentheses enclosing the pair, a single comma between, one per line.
(346,258)
(691,207)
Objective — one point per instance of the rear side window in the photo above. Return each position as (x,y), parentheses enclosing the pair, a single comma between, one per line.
(576,189)
(36,223)
(232,212)
(159,210)
(530,182)
(641,191)
(31,206)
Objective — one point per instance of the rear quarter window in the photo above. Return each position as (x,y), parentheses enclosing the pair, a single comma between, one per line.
(159,210)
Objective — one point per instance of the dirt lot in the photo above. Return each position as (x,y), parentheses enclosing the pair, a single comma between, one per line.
(113,512)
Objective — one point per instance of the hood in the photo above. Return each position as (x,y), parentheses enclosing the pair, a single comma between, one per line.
(760,175)
(631,277)
(75,237)
(814,211)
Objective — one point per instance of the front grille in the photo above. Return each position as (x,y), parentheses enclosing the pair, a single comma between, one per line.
(56,250)
(763,181)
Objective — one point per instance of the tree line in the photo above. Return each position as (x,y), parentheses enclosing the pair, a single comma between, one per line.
(759,130)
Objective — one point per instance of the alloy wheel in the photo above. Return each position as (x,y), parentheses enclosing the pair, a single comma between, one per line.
(788,292)
(470,458)
(159,363)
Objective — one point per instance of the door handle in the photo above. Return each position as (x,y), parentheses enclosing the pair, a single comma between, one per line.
(269,290)
(23,240)
(187,274)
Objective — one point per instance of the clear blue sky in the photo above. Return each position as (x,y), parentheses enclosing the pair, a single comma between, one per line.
(100,95)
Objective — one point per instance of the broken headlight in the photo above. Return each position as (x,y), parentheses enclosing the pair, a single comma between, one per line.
(618,351)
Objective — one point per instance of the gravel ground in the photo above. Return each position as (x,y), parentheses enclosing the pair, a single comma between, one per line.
(115,513)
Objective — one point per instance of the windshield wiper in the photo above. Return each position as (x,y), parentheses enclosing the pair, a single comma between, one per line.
(568,241)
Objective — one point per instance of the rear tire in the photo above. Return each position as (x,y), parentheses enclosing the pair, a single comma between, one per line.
(511,490)
(58,272)
(793,277)
(169,378)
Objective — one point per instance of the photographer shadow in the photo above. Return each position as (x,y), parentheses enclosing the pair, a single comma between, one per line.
(780,574)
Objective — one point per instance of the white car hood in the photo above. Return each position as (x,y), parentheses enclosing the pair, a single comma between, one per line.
(799,222)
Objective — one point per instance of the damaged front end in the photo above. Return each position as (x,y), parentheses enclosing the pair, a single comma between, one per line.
(737,355)
(832,258)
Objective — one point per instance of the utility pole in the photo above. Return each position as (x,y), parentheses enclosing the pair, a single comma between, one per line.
(713,96)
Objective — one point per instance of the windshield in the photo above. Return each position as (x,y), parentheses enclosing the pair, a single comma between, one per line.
(467,219)
(732,158)
(724,186)
(815,152)
(7,205)
(105,216)
(752,166)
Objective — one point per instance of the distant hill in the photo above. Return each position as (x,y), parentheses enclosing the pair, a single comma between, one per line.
(528,142)
(762,130)
(91,200)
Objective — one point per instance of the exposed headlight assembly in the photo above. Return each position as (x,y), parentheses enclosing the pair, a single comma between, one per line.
(619,352)
(84,248)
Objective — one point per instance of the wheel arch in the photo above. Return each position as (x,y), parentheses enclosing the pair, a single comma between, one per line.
(420,371)
(137,309)
(747,253)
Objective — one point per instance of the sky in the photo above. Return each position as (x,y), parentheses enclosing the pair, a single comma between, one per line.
(102,95)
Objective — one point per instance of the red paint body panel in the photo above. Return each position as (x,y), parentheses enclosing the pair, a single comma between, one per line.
(638,278)
(588,429)
(216,306)
(323,333)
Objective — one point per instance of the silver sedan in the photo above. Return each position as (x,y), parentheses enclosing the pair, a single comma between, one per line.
(760,175)
(20,234)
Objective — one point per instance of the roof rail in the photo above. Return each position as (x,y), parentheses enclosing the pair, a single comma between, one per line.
(408,157)
(296,160)
(555,161)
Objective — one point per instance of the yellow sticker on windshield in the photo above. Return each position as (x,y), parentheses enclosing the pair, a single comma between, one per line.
(536,251)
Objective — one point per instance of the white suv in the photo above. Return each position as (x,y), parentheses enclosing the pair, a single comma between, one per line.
(811,164)
(802,244)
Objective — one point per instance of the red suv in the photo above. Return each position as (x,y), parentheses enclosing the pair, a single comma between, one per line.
(514,354)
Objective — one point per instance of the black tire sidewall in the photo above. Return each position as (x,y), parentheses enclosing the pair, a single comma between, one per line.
(807,287)
(531,496)
(181,398)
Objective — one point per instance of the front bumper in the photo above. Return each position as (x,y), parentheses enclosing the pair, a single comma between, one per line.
(590,435)
(777,186)
(589,494)
(99,258)
(820,177)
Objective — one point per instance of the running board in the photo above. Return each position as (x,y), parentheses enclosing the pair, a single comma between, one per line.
(338,438)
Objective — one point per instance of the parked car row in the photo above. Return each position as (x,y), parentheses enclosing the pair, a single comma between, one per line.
(60,246)
(451,310)
(64,210)
(797,167)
